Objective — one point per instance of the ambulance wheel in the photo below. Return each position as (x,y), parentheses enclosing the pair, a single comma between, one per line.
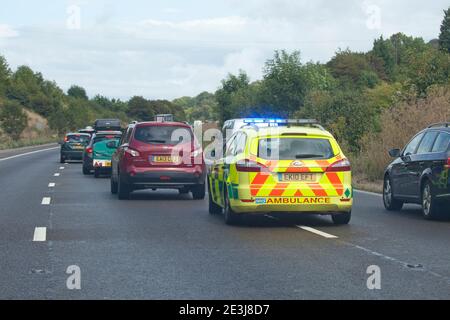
(213,207)
(341,218)
(231,218)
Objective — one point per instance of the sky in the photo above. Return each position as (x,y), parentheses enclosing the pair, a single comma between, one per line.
(173,48)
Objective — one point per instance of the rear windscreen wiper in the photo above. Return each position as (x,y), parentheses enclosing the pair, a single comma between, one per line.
(308,156)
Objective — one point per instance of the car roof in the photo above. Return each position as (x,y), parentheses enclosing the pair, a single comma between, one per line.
(264,131)
(78,134)
(108,133)
(164,123)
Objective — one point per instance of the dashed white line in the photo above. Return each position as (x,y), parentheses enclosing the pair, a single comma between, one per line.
(57,174)
(40,234)
(51,185)
(318,232)
(46,201)
(61,168)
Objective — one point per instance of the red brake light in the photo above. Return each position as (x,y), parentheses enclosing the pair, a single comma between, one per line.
(448,163)
(89,150)
(66,139)
(249,166)
(339,166)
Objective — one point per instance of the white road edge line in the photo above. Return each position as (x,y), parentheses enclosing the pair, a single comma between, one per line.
(318,232)
(57,174)
(40,234)
(28,153)
(51,185)
(46,201)
(369,193)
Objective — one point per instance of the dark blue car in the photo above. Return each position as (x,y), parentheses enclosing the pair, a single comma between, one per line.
(420,173)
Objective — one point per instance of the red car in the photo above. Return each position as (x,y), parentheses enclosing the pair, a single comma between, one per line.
(158,155)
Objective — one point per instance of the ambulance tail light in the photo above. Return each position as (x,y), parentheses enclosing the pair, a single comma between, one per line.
(249,166)
(339,166)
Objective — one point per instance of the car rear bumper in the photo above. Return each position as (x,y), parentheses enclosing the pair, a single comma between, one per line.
(72,155)
(170,178)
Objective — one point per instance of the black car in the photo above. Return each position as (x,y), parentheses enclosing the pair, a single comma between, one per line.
(88,165)
(420,173)
(73,146)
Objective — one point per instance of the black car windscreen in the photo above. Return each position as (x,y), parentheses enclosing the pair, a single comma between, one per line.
(170,135)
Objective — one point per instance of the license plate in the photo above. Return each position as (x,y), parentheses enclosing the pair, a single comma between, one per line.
(165,159)
(78,147)
(102,164)
(301,177)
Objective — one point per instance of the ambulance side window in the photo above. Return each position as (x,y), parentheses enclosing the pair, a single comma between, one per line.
(231,148)
(241,141)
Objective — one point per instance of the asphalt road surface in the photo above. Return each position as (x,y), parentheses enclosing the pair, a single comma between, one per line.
(162,245)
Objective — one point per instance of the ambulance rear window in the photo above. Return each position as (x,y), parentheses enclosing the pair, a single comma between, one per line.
(295,149)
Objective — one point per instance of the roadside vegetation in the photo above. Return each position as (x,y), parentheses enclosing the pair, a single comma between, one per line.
(371,101)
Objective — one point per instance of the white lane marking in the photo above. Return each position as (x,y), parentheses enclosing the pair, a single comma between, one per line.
(318,232)
(28,153)
(61,168)
(369,193)
(40,234)
(57,174)
(51,185)
(46,201)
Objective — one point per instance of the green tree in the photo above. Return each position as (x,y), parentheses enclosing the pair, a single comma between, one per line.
(77,92)
(5,74)
(13,119)
(444,36)
(140,109)
(229,87)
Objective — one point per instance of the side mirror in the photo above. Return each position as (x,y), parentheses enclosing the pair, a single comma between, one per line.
(394,153)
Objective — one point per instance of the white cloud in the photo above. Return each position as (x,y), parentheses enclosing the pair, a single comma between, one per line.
(7,31)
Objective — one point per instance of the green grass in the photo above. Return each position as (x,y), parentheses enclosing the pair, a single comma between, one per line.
(13,144)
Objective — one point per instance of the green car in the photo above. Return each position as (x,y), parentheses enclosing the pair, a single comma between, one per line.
(102,154)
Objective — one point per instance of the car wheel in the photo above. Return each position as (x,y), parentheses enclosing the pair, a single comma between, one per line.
(430,207)
(390,203)
(231,218)
(213,207)
(183,191)
(86,171)
(124,189)
(96,173)
(62,159)
(341,218)
(199,192)
(114,186)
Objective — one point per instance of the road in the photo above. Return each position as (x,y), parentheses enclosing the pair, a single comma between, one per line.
(161,245)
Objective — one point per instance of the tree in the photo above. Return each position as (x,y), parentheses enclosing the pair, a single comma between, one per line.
(13,119)
(77,92)
(5,74)
(444,36)
(139,109)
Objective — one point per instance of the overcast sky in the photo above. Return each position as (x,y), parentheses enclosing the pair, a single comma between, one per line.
(167,49)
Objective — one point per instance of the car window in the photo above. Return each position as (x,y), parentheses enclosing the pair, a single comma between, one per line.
(412,145)
(105,137)
(170,135)
(295,148)
(231,145)
(240,143)
(442,143)
(77,139)
(427,142)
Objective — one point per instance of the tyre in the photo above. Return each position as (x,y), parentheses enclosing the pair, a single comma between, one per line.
(430,207)
(123,190)
(199,192)
(341,218)
(62,159)
(231,218)
(96,173)
(86,171)
(213,207)
(114,186)
(183,191)
(390,203)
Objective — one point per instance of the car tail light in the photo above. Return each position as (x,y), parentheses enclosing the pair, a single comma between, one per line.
(249,166)
(89,150)
(133,153)
(341,165)
(448,163)
(66,139)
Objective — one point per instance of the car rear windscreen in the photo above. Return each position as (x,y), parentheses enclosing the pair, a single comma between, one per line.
(294,149)
(170,135)
(105,137)
(77,139)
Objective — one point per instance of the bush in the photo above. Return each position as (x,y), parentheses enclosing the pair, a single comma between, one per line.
(13,119)
(398,124)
